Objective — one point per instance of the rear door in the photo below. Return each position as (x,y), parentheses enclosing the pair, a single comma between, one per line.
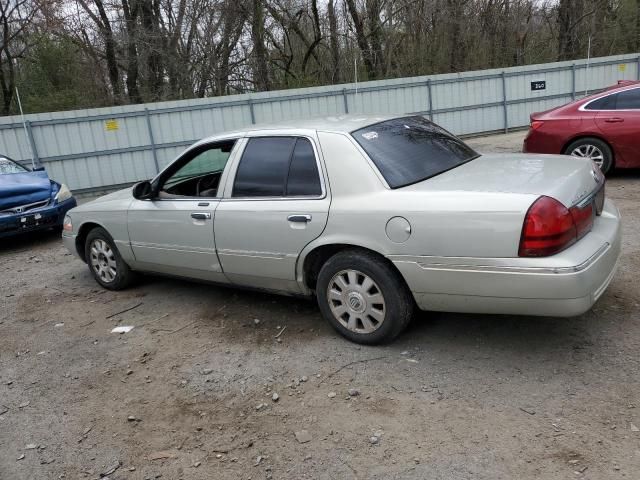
(620,125)
(276,203)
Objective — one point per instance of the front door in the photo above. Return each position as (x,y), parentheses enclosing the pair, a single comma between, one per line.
(276,206)
(173,232)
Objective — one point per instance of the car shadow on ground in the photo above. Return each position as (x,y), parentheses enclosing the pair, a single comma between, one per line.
(516,337)
(626,173)
(27,241)
(503,332)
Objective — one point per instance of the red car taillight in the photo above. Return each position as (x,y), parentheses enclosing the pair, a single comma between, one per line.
(550,227)
(536,124)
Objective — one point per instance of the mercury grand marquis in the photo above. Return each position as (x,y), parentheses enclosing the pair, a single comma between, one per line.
(372,215)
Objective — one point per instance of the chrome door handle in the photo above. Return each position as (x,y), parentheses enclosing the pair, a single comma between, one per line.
(299,218)
(614,120)
(201,215)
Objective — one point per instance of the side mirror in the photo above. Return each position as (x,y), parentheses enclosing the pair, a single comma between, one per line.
(39,168)
(142,190)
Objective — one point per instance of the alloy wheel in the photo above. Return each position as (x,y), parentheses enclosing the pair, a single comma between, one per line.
(103,260)
(356,301)
(589,151)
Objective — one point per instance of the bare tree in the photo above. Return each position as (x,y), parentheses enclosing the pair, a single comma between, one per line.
(16,18)
(101,20)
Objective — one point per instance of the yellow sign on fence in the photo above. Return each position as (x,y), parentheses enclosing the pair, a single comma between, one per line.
(111,125)
(622,67)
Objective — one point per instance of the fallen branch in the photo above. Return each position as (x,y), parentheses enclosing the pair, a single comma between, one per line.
(154,320)
(283,329)
(125,310)
(182,328)
(348,365)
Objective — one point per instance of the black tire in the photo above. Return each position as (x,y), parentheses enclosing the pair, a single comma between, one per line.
(123,276)
(398,303)
(607,154)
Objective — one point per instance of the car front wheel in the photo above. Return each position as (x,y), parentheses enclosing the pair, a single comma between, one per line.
(363,297)
(592,148)
(104,261)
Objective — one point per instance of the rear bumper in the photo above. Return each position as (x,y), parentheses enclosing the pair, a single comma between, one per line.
(540,141)
(566,284)
(50,216)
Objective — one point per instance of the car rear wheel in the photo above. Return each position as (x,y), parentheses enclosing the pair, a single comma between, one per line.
(363,297)
(592,148)
(104,261)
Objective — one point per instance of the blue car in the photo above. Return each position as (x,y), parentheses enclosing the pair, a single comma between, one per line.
(30,200)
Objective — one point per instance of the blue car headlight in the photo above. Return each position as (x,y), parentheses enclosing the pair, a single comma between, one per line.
(63,193)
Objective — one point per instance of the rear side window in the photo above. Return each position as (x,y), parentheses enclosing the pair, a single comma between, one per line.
(277,167)
(604,103)
(628,100)
(304,178)
(411,149)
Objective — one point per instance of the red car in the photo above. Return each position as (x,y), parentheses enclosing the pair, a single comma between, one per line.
(604,127)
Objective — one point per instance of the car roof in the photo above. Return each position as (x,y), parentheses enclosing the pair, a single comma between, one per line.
(335,124)
(621,86)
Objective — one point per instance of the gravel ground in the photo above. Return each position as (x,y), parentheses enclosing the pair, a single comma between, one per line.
(189,392)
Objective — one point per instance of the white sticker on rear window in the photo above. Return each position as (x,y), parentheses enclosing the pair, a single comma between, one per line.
(370,135)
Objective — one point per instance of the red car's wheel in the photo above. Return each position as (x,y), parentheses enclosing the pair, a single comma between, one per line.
(592,148)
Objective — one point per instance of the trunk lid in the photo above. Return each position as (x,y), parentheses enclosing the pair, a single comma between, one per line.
(565,178)
(23,188)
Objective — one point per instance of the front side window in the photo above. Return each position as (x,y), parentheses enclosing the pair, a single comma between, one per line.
(8,166)
(411,149)
(200,175)
(277,167)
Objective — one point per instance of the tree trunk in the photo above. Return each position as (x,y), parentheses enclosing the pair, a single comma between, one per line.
(506,30)
(456,42)
(375,34)
(7,80)
(259,49)
(109,51)
(333,41)
(361,39)
(149,17)
(637,25)
(131,17)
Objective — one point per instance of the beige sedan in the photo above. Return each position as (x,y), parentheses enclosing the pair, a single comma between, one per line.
(373,216)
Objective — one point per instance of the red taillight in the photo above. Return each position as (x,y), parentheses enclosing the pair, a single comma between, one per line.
(536,124)
(583,219)
(548,228)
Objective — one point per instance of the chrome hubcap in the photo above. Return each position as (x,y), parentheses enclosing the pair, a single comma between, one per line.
(356,301)
(589,151)
(103,260)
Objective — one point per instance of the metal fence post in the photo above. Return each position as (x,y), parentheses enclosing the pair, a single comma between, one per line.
(344,98)
(573,81)
(504,103)
(32,142)
(253,115)
(430,92)
(152,142)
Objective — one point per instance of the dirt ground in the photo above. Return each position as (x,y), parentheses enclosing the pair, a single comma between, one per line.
(188,393)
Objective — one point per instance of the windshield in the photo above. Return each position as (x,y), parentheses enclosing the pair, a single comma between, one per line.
(9,166)
(410,149)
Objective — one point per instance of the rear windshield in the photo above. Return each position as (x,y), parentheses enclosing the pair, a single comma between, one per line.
(411,149)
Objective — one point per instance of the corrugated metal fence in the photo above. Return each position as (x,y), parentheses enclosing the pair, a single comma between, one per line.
(97,149)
